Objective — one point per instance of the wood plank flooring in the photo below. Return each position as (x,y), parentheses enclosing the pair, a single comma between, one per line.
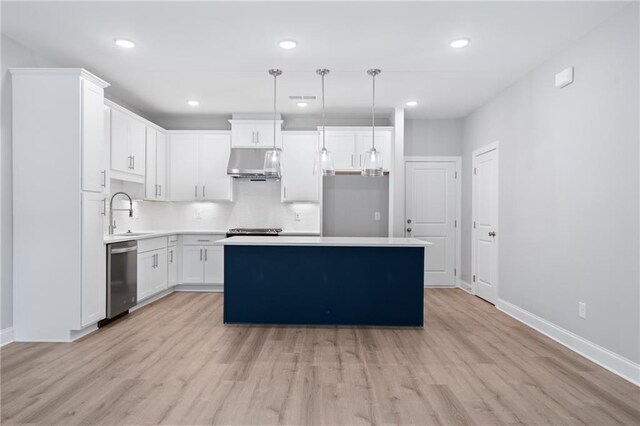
(174,362)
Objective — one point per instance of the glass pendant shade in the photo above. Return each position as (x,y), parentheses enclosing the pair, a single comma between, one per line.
(372,163)
(324,163)
(272,165)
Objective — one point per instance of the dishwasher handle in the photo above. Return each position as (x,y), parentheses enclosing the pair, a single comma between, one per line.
(123,250)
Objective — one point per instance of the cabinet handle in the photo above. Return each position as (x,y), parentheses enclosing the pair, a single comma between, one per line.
(360,161)
(104,207)
(200,255)
(285,192)
(196,191)
(129,165)
(159,190)
(171,253)
(253,138)
(155,194)
(351,160)
(203,241)
(203,191)
(133,161)
(104,178)
(257,138)
(205,254)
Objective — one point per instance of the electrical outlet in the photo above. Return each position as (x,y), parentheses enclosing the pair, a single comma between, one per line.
(376,216)
(198,214)
(582,310)
(297,216)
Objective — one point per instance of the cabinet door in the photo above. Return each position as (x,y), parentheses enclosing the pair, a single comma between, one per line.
(213,157)
(299,183)
(213,265)
(146,262)
(183,173)
(137,139)
(150,184)
(192,264)
(243,135)
(160,272)
(120,155)
(383,144)
(172,266)
(94,170)
(342,146)
(264,135)
(94,267)
(161,165)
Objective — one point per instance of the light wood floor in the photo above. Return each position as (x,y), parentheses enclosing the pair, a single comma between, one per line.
(174,362)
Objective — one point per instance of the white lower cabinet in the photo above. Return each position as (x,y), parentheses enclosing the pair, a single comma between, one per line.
(202,262)
(152,267)
(93,291)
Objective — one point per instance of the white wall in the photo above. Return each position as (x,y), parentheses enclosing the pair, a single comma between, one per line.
(569,187)
(255,205)
(13,55)
(433,137)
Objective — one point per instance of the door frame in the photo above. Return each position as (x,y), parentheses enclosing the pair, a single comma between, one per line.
(457,160)
(474,194)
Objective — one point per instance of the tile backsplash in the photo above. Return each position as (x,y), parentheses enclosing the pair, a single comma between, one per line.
(255,205)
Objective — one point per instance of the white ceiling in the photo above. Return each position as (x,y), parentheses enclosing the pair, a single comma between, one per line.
(219,52)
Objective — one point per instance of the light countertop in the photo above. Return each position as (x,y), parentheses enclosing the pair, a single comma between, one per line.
(322,241)
(108,239)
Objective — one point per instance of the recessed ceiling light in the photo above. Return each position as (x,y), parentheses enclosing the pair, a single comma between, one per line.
(411,103)
(193,103)
(126,44)
(288,44)
(302,104)
(457,44)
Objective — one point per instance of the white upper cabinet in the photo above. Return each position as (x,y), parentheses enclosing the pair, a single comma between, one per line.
(255,133)
(299,183)
(349,145)
(198,167)
(94,146)
(128,140)
(156,165)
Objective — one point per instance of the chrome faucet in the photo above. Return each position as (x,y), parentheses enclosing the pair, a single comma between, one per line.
(112,224)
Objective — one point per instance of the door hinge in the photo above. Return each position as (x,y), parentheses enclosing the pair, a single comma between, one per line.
(474,278)
(475,171)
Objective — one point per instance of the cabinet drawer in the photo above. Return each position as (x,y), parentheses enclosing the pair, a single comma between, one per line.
(200,240)
(152,244)
(173,240)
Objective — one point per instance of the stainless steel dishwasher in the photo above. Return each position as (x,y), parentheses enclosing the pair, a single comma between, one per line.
(122,277)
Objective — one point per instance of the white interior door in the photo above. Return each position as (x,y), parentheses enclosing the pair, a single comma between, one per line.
(485,223)
(431,215)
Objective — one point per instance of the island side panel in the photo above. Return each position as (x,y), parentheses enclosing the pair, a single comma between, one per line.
(324,285)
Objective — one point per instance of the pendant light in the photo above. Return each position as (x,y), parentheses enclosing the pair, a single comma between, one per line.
(373,157)
(324,160)
(272,165)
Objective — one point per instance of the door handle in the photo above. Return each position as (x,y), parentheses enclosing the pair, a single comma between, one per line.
(492,234)
(408,229)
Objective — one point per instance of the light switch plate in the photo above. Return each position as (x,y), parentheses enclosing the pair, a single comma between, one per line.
(297,216)
(582,310)
(376,216)
(564,78)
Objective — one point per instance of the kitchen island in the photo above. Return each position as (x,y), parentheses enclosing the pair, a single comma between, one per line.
(324,281)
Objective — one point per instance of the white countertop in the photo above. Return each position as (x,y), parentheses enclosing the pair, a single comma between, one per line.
(108,239)
(322,241)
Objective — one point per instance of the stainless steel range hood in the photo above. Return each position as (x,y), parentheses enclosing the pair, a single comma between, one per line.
(248,163)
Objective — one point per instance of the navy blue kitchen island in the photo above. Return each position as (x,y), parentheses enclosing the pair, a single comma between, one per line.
(324,281)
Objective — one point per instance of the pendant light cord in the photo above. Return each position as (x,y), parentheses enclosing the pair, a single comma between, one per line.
(373,73)
(275,73)
(323,128)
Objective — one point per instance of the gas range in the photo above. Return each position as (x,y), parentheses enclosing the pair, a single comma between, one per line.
(260,232)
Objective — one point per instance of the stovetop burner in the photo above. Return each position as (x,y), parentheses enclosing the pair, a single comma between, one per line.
(254,232)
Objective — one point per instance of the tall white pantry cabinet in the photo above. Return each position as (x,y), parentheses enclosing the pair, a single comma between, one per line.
(59,203)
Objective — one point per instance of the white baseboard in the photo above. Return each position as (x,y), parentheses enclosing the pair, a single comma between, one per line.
(439,286)
(152,299)
(613,362)
(465,286)
(6,336)
(76,334)
(208,288)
